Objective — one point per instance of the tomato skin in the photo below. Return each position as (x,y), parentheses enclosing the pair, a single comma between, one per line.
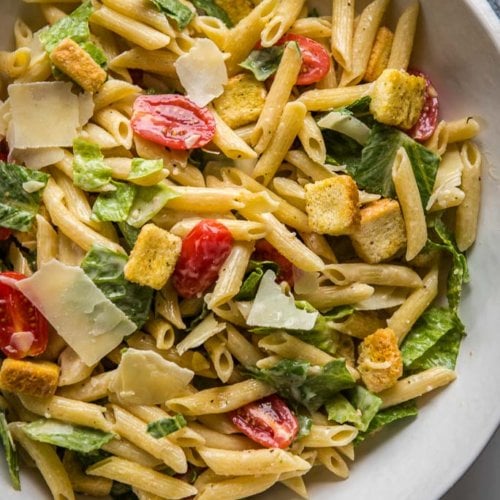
(265,251)
(203,253)
(316,61)
(428,119)
(23,329)
(173,121)
(5,233)
(267,421)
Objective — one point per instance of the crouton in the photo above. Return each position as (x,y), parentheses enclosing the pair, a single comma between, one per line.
(242,101)
(381,232)
(398,98)
(380,363)
(236,9)
(153,258)
(379,56)
(33,378)
(71,59)
(332,205)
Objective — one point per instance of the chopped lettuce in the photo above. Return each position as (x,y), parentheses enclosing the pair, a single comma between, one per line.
(311,386)
(340,410)
(114,205)
(129,233)
(459,272)
(105,268)
(387,416)
(255,272)
(176,10)
(92,457)
(148,201)
(374,172)
(210,8)
(165,426)
(143,170)
(263,63)
(18,208)
(341,149)
(90,173)
(305,424)
(64,435)
(9,449)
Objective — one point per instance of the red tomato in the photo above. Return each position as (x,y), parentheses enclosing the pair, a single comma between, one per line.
(428,119)
(23,329)
(265,251)
(5,233)
(203,252)
(268,422)
(173,121)
(315,59)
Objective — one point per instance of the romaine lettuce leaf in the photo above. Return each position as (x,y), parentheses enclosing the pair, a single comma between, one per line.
(340,410)
(263,63)
(305,424)
(176,10)
(210,8)
(114,205)
(165,426)
(90,173)
(64,435)
(341,149)
(105,268)
(255,272)
(18,208)
(9,449)
(310,386)
(129,233)
(144,169)
(374,172)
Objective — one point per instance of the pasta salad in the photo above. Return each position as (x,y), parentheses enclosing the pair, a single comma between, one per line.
(223,228)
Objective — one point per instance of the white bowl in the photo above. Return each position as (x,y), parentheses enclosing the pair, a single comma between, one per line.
(459,46)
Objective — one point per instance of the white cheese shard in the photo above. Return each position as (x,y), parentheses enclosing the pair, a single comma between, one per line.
(346,124)
(145,378)
(36,158)
(274,309)
(81,314)
(44,115)
(202,72)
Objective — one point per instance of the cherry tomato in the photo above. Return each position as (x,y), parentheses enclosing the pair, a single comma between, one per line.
(265,251)
(203,252)
(427,121)
(173,121)
(268,422)
(315,59)
(23,329)
(5,233)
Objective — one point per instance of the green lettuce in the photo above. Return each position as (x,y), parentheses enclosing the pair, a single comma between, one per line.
(18,208)
(374,172)
(263,63)
(341,149)
(90,173)
(165,426)
(149,200)
(255,272)
(310,386)
(305,425)
(144,168)
(175,10)
(105,268)
(64,435)
(129,233)
(9,449)
(387,416)
(114,205)
(210,8)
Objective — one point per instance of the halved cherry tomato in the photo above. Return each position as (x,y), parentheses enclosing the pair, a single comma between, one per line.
(428,119)
(203,252)
(23,329)
(173,121)
(5,233)
(268,422)
(315,59)
(265,251)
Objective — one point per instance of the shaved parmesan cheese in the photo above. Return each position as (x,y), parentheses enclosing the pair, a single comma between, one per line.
(44,115)
(86,103)
(272,308)
(33,186)
(81,314)
(202,72)
(36,158)
(346,124)
(201,333)
(383,297)
(145,378)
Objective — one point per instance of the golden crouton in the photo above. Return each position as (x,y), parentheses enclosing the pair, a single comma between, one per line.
(34,378)
(379,57)
(397,98)
(381,232)
(71,59)
(380,363)
(242,100)
(153,258)
(332,205)
(236,9)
